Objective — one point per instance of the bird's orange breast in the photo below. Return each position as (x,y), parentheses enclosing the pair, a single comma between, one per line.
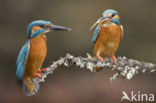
(37,54)
(108,40)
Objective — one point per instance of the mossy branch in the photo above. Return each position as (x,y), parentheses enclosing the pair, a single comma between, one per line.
(124,67)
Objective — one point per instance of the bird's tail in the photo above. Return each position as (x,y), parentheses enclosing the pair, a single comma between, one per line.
(30,88)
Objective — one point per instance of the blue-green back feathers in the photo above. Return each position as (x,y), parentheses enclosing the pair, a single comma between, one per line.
(95,36)
(22,60)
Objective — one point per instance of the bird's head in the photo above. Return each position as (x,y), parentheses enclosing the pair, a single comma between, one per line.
(40,27)
(109,15)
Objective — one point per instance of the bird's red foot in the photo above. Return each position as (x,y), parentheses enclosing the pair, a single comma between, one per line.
(42,70)
(37,75)
(114,59)
(99,57)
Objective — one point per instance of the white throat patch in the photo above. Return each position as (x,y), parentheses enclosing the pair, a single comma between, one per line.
(109,23)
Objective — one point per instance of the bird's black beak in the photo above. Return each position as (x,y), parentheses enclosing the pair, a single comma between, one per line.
(102,19)
(105,18)
(56,27)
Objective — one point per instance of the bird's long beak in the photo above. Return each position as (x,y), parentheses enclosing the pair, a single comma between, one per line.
(103,19)
(56,27)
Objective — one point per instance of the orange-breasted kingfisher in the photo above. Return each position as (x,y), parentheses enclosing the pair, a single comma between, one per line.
(33,53)
(107,35)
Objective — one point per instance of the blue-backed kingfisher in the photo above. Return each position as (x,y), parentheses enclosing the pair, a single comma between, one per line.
(107,35)
(33,53)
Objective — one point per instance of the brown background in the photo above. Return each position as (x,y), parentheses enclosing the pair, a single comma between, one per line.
(76,85)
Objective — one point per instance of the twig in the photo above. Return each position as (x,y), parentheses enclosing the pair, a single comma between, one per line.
(125,67)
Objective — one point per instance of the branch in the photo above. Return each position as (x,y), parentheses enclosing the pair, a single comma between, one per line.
(124,67)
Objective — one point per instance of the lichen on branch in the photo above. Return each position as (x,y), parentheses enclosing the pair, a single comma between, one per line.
(124,67)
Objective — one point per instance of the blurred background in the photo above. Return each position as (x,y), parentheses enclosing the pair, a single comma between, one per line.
(74,85)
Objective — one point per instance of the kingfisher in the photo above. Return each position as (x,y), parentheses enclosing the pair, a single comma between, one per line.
(107,35)
(33,53)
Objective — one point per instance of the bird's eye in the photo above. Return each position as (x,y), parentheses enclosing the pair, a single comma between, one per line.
(113,14)
(42,26)
(46,26)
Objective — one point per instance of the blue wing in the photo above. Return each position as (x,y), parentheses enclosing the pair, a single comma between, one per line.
(22,60)
(95,36)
